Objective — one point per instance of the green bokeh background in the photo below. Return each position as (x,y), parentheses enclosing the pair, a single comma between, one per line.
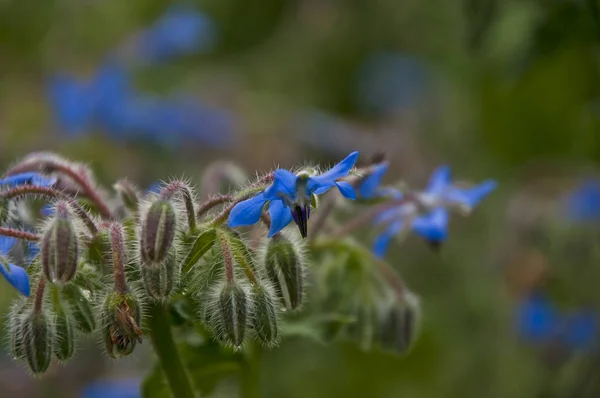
(513,93)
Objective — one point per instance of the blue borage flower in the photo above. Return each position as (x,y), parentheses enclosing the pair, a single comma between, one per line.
(29,178)
(426,213)
(15,275)
(290,197)
(538,320)
(583,203)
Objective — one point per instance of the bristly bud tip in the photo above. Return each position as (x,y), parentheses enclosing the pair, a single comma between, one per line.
(157,232)
(121,320)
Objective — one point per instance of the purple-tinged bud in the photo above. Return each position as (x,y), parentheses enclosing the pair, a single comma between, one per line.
(81,308)
(158,277)
(60,246)
(37,341)
(128,194)
(399,325)
(285,268)
(158,227)
(264,315)
(64,336)
(121,320)
(230,318)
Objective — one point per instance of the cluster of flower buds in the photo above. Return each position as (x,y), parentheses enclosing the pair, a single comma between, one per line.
(114,265)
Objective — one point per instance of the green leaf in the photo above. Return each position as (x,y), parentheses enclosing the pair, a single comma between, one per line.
(155,385)
(201,245)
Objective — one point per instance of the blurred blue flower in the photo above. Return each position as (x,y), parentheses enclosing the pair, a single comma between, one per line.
(15,275)
(126,388)
(426,213)
(180,31)
(583,204)
(28,178)
(370,187)
(540,321)
(388,81)
(72,104)
(290,197)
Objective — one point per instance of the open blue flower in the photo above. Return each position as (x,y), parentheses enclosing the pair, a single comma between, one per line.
(15,275)
(427,214)
(370,187)
(28,178)
(290,197)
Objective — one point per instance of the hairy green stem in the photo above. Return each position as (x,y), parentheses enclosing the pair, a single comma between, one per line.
(166,351)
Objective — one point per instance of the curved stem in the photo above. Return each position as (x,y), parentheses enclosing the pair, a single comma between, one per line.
(15,233)
(166,351)
(188,199)
(204,207)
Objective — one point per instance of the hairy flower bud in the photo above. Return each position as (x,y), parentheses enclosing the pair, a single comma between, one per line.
(364,328)
(37,341)
(81,308)
(399,324)
(264,315)
(121,319)
(15,326)
(230,317)
(158,225)
(158,277)
(285,268)
(60,246)
(64,336)
(128,194)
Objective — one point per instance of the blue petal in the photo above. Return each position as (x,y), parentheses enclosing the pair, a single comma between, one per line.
(326,180)
(472,196)
(17,277)
(537,318)
(434,226)
(346,189)
(369,186)
(439,180)
(28,178)
(284,183)
(581,330)
(31,251)
(583,204)
(6,243)
(382,242)
(71,104)
(247,212)
(281,216)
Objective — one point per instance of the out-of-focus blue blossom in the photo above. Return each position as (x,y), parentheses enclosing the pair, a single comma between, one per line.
(15,275)
(290,197)
(390,81)
(126,388)
(583,204)
(370,187)
(111,104)
(540,321)
(426,212)
(180,31)
(28,178)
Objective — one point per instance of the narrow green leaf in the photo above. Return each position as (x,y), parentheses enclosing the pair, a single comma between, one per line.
(201,245)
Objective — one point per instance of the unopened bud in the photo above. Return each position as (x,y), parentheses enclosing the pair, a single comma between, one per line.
(229,322)
(121,319)
(37,341)
(399,324)
(60,246)
(264,318)
(158,277)
(364,328)
(285,268)
(128,194)
(81,308)
(17,311)
(99,252)
(64,336)
(158,227)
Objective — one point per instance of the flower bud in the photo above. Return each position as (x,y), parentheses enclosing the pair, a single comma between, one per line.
(285,268)
(399,324)
(60,246)
(37,341)
(15,326)
(229,321)
(158,227)
(64,336)
(128,194)
(121,318)
(81,308)
(264,317)
(158,277)
(364,328)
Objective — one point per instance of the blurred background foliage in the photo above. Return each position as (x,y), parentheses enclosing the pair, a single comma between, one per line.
(503,89)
